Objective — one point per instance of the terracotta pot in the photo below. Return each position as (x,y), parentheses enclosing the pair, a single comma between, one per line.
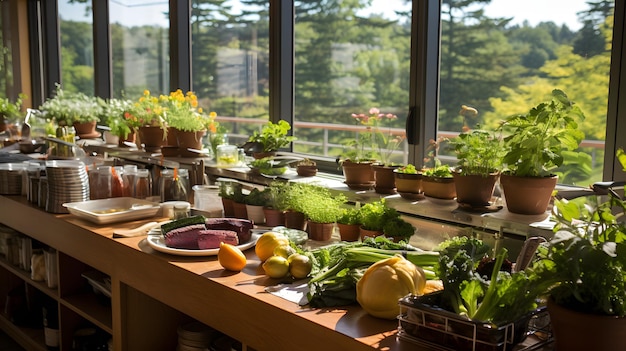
(255,214)
(320,231)
(575,330)
(369,233)
(240,210)
(349,232)
(474,190)
(408,183)
(129,138)
(273,217)
(527,195)
(440,188)
(306,171)
(384,179)
(359,176)
(152,138)
(86,130)
(191,140)
(295,220)
(229,209)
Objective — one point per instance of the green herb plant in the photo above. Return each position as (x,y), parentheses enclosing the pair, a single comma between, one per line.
(112,114)
(585,262)
(318,204)
(66,108)
(537,140)
(11,111)
(478,151)
(273,136)
(350,216)
(408,169)
(258,197)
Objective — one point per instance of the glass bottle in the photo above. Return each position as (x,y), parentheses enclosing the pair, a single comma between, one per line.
(172,187)
(102,189)
(142,186)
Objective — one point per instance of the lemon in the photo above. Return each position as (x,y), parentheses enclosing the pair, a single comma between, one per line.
(284,251)
(267,242)
(276,267)
(299,266)
(231,258)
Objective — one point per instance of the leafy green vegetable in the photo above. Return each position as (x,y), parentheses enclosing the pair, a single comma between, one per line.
(338,267)
(501,298)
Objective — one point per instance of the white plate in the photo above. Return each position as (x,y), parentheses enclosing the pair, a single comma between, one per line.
(157,242)
(125,209)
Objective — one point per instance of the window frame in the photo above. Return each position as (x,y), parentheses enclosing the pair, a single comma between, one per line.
(424,67)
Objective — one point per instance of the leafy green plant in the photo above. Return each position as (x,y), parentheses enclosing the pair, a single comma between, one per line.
(537,139)
(408,169)
(112,114)
(67,108)
(258,197)
(273,136)
(439,171)
(478,151)
(317,203)
(585,262)
(350,216)
(11,110)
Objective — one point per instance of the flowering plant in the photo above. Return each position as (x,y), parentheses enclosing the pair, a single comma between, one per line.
(375,143)
(146,111)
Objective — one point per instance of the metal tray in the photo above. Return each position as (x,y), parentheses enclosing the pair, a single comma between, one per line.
(118,209)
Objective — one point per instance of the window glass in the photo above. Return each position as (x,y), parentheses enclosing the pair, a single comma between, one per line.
(504,57)
(351,56)
(140,45)
(230,60)
(76,30)
(6,67)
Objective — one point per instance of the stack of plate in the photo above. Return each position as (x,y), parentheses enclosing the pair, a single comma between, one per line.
(11,178)
(67,182)
(194,336)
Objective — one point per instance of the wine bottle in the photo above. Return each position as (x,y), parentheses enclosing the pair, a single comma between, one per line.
(51,325)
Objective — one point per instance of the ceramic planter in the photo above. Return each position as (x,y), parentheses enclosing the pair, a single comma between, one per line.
(152,138)
(527,195)
(255,214)
(240,210)
(575,330)
(384,179)
(363,233)
(358,176)
(273,217)
(409,185)
(229,209)
(306,170)
(474,190)
(349,232)
(320,231)
(439,188)
(189,140)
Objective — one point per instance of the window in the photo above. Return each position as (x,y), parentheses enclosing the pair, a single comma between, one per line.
(503,59)
(140,45)
(76,28)
(337,75)
(230,62)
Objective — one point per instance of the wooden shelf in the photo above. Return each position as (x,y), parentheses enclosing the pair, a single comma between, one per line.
(89,307)
(30,339)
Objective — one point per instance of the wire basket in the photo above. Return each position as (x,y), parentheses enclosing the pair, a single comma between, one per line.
(421,321)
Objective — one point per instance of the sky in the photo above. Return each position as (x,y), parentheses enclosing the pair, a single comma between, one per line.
(535,11)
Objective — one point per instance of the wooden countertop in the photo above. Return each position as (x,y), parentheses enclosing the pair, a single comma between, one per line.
(233,303)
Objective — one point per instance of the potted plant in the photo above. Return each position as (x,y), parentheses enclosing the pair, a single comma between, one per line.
(278,203)
(321,210)
(227,190)
(147,116)
(349,223)
(272,137)
(113,116)
(535,146)
(379,219)
(74,109)
(479,154)
(188,121)
(10,111)
(286,199)
(437,179)
(306,168)
(408,182)
(373,148)
(255,201)
(583,265)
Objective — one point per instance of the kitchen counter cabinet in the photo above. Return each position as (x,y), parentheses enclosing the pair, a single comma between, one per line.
(153,292)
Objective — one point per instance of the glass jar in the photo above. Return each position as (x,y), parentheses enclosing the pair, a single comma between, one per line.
(142,185)
(172,185)
(102,188)
(227,155)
